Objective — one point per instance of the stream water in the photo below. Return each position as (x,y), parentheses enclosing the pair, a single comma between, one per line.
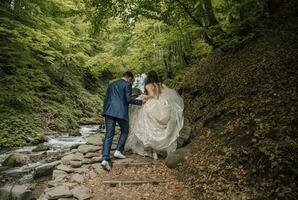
(54,149)
(140,82)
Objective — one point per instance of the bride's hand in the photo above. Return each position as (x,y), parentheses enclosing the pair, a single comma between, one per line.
(146,98)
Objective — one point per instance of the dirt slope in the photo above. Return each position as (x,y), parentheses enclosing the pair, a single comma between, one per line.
(243,108)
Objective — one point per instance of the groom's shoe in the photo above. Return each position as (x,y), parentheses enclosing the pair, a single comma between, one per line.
(106,165)
(118,154)
(155,157)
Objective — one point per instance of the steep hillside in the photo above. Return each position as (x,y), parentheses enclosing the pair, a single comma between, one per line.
(243,107)
(32,103)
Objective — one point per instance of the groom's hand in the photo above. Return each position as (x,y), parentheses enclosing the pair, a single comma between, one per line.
(145,99)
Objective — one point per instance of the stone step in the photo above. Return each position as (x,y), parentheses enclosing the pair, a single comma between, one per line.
(113,183)
(15,192)
(99,196)
(127,165)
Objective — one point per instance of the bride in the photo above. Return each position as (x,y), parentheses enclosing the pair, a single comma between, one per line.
(155,126)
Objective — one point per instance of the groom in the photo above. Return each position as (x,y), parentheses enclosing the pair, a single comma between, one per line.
(115,109)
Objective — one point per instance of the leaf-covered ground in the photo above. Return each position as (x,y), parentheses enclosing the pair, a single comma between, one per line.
(243,108)
(155,170)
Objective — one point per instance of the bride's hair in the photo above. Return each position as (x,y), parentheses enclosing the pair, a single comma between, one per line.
(153,78)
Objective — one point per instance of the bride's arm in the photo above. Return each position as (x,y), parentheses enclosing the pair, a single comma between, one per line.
(150,90)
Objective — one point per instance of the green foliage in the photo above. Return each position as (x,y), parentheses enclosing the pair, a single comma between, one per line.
(143,47)
(233,41)
(167,35)
(19,127)
(52,67)
(43,51)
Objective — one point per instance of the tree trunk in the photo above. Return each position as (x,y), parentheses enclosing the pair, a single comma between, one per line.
(207,5)
(168,59)
(188,12)
(204,34)
(207,38)
(212,21)
(181,54)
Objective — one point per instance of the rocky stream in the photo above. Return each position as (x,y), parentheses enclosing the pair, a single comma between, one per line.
(25,171)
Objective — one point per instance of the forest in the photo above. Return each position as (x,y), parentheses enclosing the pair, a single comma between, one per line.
(56,56)
(234,62)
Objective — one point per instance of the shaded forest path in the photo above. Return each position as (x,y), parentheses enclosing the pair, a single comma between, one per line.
(136,177)
(79,175)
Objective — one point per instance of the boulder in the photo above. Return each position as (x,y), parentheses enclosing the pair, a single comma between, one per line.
(66,159)
(122,161)
(177,157)
(59,175)
(98,169)
(82,169)
(52,184)
(15,160)
(72,157)
(60,191)
(45,169)
(95,140)
(75,164)
(55,183)
(75,132)
(85,148)
(16,192)
(74,146)
(39,138)
(87,161)
(184,135)
(37,156)
(82,193)
(74,150)
(96,159)
(77,178)
(89,121)
(79,156)
(90,155)
(65,168)
(41,147)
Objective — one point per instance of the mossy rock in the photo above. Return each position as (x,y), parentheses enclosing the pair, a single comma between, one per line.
(15,160)
(40,138)
(177,157)
(89,121)
(41,147)
(75,132)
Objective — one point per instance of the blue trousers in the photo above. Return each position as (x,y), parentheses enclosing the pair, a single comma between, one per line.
(110,131)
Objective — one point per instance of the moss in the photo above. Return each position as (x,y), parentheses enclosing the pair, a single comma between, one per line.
(32,105)
(18,128)
(15,160)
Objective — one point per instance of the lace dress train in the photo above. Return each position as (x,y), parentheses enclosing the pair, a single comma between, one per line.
(156,125)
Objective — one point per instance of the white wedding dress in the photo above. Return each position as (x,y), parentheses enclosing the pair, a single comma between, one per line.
(156,125)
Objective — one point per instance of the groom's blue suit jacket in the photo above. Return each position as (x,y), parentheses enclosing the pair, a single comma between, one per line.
(117,99)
